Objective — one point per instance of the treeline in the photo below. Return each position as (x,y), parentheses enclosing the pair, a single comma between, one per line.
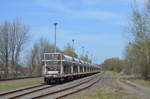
(17,59)
(13,36)
(137,53)
(113,64)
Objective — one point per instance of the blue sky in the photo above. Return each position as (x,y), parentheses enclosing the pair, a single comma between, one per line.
(98,25)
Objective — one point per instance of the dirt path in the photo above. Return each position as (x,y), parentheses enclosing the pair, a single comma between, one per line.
(110,87)
(135,89)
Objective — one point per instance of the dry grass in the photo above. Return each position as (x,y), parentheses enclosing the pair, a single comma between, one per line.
(19,85)
(141,82)
(103,92)
(107,90)
(113,74)
(132,78)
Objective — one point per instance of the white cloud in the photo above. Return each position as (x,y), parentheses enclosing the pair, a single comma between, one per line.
(90,2)
(53,4)
(141,1)
(96,15)
(79,14)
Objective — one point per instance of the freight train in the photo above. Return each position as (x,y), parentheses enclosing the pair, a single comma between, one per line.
(59,68)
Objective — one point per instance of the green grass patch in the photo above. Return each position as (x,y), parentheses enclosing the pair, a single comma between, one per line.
(114,96)
(110,95)
(18,85)
(113,74)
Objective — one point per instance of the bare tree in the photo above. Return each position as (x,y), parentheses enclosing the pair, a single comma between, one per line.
(4,45)
(36,55)
(18,37)
(13,36)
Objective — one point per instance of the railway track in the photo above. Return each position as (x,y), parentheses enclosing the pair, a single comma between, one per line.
(21,89)
(24,91)
(69,90)
(52,91)
(78,90)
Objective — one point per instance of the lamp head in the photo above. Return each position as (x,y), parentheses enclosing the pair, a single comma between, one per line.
(55,23)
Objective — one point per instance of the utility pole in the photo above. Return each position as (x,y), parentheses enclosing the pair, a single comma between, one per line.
(55,25)
(73,47)
(73,44)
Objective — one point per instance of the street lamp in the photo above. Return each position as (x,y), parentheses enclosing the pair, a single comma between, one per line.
(73,47)
(55,25)
(73,44)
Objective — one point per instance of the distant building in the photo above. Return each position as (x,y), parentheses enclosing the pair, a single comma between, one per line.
(26,70)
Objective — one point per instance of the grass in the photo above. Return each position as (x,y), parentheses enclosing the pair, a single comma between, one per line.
(18,85)
(112,74)
(141,82)
(104,92)
(109,95)
(132,78)
(112,90)
(107,90)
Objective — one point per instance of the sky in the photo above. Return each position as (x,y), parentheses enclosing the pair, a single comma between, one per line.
(97,25)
